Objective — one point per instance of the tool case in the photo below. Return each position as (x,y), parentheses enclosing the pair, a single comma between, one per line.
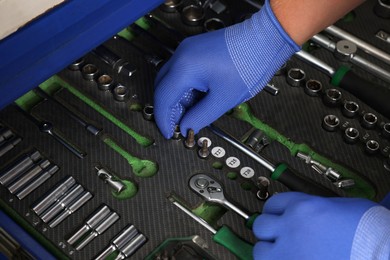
(86,174)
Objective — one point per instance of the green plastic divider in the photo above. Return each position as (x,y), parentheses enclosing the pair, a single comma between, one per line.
(141,168)
(339,75)
(363,188)
(57,82)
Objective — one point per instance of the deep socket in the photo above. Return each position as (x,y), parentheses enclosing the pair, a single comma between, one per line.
(131,247)
(17,168)
(48,199)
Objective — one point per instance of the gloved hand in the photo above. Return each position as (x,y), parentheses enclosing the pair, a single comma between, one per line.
(229,66)
(295,225)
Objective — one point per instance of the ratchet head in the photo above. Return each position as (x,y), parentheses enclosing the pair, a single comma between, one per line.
(207,187)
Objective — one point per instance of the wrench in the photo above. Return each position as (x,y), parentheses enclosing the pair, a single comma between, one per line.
(212,191)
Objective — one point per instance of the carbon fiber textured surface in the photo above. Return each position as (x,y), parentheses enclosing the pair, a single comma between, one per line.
(292,113)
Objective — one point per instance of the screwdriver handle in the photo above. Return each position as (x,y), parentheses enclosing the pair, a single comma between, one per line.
(295,182)
(374,95)
(228,239)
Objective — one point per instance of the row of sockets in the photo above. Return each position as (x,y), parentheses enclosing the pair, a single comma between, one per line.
(27,173)
(8,140)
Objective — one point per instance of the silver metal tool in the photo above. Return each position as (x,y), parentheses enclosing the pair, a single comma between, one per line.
(386,130)
(121,66)
(43,176)
(270,88)
(243,148)
(192,15)
(344,184)
(213,24)
(132,246)
(332,97)
(171,6)
(351,135)
(313,87)
(370,49)
(21,164)
(263,184)
(372,147)
(204,151)
(384,36)
(47,200)
(330,123)
(90,72)
(350,109)
(47,127)
(118,242)
(148,112)
(369,120)
(105,82)
(346,50)
(328,172)
(211,190)
(72,207)
(90,224)
(116,184)
(62,202)
(9,144)
(99,229)
(5,134)
(189,142)
(296,77)
(120,93)
(88,126)
(76,65)
(28,176)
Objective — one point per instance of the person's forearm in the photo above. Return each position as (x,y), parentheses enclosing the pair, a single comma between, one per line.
(301,19)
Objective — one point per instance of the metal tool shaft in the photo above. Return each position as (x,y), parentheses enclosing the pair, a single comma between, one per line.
(242,148)
(18,167)
(132,246)
(335,31)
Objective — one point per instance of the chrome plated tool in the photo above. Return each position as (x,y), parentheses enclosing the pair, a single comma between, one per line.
(211,190)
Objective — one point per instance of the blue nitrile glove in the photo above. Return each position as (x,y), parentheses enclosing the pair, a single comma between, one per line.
(295,225)
(229,66)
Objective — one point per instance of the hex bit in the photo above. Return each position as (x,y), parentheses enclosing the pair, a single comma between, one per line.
(45,202)
(21,164)
(45,175)
(88,126)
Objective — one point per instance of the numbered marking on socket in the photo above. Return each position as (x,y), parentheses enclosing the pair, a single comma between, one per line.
(247,172)
(218,152)
(232,162)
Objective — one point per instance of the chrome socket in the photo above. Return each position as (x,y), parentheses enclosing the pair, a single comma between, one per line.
(313,88)
(372,147)
(120,93)
(263,185)
(369,120)
(351,135)
(330,123)
(90,72)
(296,77)
(382,8)
(350,109)
(105,82)
(116,184)
(192,15)
(171,6)
(148,112)
(332,97)
(386,130)
(76,65)
(213,24)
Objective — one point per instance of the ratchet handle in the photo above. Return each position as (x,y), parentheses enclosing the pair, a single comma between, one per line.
(228,239)
(374,95)
(295,182)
